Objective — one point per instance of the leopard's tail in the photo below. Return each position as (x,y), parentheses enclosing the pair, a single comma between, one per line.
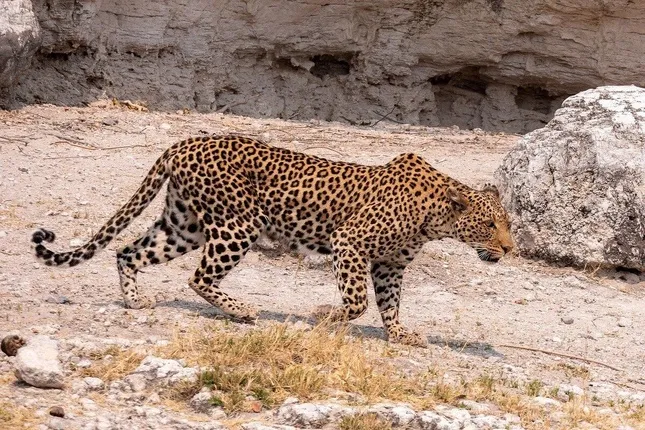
(138,202)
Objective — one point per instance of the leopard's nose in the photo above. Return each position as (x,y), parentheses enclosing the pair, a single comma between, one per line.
(507,248)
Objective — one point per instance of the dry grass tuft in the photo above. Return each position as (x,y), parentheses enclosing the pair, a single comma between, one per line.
(115,364)
(14,417)
(574,370)
(637,416)
(364,422)
(270,364)
(7,378)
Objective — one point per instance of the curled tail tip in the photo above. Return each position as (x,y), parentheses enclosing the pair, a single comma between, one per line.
(41,235)
(42,253)
(50,258)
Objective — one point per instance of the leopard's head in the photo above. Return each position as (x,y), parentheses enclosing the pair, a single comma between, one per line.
(484,224)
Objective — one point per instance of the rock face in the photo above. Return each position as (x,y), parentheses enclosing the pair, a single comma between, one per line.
(577,186)
(19,39)
(494,64)
(38,364)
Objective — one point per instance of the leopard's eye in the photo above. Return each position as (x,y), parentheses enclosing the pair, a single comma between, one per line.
(490,224)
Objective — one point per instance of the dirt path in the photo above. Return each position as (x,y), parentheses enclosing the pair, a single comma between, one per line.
(70,169)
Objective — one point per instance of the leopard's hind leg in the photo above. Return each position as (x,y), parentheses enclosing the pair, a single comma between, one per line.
(175,233)
(226,245)
(230,225)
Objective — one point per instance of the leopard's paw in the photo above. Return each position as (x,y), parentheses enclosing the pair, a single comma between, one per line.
(243,312)
(407,337)
(329,313)
(142,302)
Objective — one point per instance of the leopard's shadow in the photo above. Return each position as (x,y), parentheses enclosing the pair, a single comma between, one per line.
(479,349)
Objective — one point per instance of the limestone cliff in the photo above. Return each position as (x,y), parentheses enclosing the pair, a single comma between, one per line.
(494,64)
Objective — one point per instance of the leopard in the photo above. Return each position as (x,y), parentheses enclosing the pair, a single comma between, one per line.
(224,192)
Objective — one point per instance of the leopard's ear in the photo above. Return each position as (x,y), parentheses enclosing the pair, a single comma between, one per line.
(457,199)
(490,188)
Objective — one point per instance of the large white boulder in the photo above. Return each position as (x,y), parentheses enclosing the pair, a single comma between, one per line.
(576,188)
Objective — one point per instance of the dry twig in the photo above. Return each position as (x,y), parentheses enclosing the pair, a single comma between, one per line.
(325,147)
(14,139)
(386,116)
(575,357)
(228,106)
(81,144)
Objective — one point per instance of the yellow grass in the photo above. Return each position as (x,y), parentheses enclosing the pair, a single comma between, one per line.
(364,422)
(15,417)
(121,364)
(273,363)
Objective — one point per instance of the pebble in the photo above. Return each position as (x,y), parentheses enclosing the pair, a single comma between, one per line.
(137,382)
(624,322)
(201,402)
(170,371)
(573,282)
(57,299)
(475,407)
(11,344)
(84,363)
(428,420)
(88,404)
(566,392)
(94,384)
(110,121)
(56,423)
(57,411)
(75,243)
(398,415)
(304,415)
(567,320)
(545,402)
(460,415)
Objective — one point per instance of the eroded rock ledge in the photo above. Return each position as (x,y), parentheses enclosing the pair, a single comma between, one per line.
(495,64)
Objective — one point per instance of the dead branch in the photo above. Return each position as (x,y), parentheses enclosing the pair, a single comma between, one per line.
(324,147)
(15,139)
(627,385)
(66,157)
(386,116)
(228,106)
(81,144)
(574,357)
(73,142)
(123,147)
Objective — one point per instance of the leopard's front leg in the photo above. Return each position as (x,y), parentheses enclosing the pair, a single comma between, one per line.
(351,272)
(387,277)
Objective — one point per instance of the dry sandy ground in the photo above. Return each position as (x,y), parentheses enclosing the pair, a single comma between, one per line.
(69,169)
